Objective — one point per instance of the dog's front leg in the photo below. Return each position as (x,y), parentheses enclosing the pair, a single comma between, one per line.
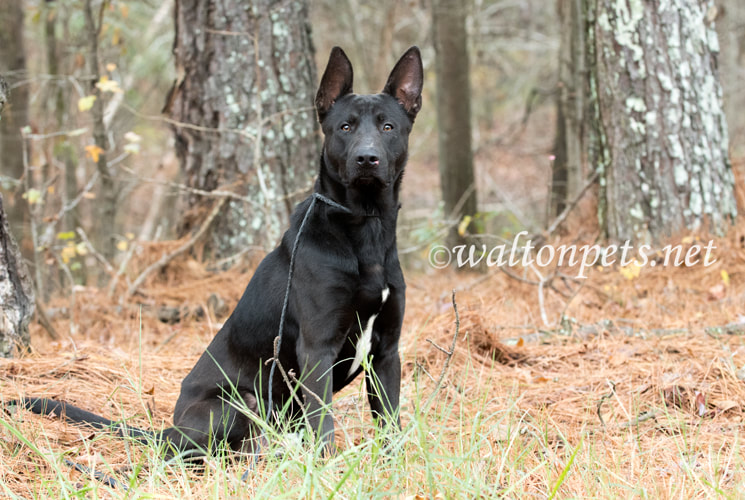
(383,387)
(316,361)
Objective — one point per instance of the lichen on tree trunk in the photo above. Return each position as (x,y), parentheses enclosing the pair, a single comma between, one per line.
(244,99)
(659,132)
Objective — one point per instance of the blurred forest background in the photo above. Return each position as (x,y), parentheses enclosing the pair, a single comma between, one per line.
(97,181)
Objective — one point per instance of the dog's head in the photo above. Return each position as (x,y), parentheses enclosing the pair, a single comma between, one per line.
(366,136)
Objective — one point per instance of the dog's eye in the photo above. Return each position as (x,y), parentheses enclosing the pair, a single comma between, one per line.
(345,127)
(387,127)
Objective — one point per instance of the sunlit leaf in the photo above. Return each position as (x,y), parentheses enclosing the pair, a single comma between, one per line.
(68,235)
(68,253)
(93,152)
(464,224)
(132,137)
(33,196)
(81,248)
(105,84)
(116,37)
(85,103)
(132,148)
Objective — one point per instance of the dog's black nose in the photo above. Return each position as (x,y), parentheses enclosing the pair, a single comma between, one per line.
(367,159)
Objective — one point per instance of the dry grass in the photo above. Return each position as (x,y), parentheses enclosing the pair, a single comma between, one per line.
(649,399)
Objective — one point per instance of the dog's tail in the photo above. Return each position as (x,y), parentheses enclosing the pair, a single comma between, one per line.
(71,413)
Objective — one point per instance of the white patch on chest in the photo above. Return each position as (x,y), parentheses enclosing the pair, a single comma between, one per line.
(364,343)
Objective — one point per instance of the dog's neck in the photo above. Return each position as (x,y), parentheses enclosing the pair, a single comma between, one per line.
(363,202)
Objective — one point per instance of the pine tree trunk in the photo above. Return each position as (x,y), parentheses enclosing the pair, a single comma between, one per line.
(569,144)
(246,121)
(106,219)
(16,293)
(453,111)
(15,116)
(659,132)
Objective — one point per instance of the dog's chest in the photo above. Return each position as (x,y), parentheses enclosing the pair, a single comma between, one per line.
(364,341)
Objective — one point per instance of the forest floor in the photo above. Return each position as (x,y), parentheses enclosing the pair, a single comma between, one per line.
(639,391)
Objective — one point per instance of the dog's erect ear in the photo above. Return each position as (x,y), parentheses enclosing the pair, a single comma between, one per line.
(406,80)
(335,83)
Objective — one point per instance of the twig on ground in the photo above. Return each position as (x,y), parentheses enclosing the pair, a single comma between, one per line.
(449,357)
(421,367)
(603,398)
(164,260)
(643,417)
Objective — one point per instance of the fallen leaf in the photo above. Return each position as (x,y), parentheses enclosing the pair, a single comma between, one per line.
(725,277)
(700,404)
(717,292)
(631,271)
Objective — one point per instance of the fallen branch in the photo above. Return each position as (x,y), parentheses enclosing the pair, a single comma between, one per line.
(164,260)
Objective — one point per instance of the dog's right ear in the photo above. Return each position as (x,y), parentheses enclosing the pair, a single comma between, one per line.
(335,83)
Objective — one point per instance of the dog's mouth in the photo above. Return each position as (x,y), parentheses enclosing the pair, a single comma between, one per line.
(368,181)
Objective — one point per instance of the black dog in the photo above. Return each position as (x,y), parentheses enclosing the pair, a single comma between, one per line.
(346,301)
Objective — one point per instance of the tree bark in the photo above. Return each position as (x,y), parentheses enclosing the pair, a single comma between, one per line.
(13,67)
(106,228)
(569,143)
(453,112)
(245,117)
(730,21)
(659,136)
(16,292)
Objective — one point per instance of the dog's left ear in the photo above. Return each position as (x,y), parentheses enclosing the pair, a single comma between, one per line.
(406,80)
